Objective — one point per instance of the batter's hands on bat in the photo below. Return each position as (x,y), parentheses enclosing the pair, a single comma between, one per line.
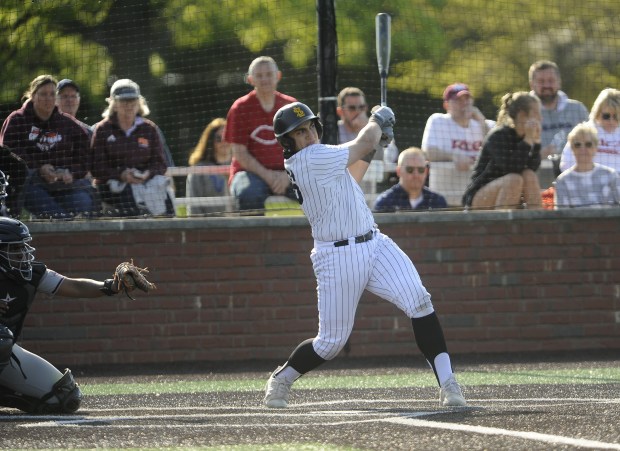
(384,116)
(387,136)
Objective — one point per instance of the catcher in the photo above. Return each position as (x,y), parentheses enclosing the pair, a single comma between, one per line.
(27,381)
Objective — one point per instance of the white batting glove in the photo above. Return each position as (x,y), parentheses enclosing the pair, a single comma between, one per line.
(384,116)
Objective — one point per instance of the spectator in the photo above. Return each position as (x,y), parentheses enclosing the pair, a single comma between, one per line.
(129,163)
(559,113)
(455,137)
(410,193)
(353,112)
(68,101)
(211,150)
(505,172)
(27,381)
(257,168)
(586,183)
(15,171)
(604,116)
(55,148)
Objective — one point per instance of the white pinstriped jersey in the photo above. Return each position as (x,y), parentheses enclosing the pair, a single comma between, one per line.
(330,197)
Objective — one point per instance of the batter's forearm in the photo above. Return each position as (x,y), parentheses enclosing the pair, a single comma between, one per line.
(366,141)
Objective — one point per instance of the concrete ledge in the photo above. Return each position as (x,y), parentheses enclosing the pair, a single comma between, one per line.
(109,225)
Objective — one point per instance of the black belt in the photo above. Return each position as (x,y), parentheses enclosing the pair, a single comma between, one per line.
(358,239)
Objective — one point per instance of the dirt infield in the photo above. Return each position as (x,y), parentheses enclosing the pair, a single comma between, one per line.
(557,415)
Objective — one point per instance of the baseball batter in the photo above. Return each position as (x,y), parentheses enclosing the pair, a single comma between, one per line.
(350,254)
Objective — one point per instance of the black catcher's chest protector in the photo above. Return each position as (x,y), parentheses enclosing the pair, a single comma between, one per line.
(19,298)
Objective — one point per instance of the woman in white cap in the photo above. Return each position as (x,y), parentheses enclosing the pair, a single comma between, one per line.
(129,162)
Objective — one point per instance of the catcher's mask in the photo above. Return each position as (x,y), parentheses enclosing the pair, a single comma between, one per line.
(3,185)
(287,119)
(16,255)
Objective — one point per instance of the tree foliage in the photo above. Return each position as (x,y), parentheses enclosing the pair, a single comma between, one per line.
(488,45)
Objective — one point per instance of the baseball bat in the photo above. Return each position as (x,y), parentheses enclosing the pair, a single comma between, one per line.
(383,33)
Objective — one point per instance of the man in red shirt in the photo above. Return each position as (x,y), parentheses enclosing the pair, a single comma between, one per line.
(257,168)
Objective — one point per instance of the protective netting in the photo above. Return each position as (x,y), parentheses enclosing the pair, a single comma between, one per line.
(190,59)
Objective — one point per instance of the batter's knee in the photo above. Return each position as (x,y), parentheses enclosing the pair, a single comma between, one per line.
(329,348)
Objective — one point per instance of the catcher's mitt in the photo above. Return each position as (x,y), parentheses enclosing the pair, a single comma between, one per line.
(128,277)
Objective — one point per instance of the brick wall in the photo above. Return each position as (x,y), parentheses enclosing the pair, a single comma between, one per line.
(243,288)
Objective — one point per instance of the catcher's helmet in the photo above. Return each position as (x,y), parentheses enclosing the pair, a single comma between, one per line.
(287,119)
(16,255)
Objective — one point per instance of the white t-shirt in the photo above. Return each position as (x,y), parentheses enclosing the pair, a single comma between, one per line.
(608,153)
(330,197)
(443,133)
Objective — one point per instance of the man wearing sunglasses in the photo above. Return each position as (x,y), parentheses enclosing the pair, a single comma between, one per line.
(410,193)
(353,112)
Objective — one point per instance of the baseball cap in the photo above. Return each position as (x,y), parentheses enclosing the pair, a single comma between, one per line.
(62,84)
(125,89)
(456,90)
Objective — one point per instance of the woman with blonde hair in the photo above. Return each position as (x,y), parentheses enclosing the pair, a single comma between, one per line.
(586,183)
(604,116)
(505,172)
(130,162)
(211,150)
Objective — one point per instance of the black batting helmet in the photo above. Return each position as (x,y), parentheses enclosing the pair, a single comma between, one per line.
(16,255)
(287,119)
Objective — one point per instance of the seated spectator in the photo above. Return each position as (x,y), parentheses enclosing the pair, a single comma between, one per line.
(604,116)
(586,184)
(211,150)
(454,139)
(56,149)
(410,193)
(129,163)
(68,101)
(257,168)
(505,172)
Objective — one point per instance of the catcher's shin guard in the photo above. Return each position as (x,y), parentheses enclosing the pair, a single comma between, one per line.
(66,391)
(68,394)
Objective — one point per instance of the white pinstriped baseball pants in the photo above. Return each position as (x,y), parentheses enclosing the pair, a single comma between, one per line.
(343,273)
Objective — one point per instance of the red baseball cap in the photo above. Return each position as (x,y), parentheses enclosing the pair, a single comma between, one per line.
(456,90)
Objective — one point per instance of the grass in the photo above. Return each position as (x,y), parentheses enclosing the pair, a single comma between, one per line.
(609,375)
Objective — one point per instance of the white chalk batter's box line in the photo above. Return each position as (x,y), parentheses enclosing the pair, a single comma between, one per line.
(292,411)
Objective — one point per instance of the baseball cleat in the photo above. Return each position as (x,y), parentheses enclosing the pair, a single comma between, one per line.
(277,392)
(450,394)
